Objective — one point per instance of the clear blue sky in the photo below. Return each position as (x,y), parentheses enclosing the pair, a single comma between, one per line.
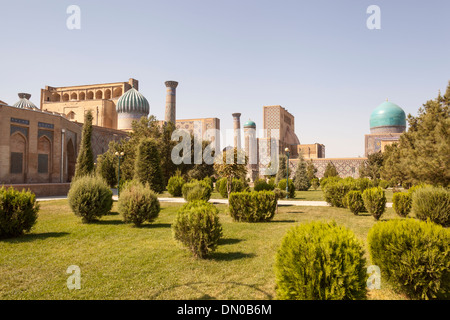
(315,58)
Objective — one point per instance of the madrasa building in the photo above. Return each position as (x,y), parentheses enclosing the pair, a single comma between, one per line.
(39,145)
(387,123)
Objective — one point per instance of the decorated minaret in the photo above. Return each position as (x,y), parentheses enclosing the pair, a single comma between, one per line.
(170,115)
(237,130)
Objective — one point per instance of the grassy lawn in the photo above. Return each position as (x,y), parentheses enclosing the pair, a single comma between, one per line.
(118,261)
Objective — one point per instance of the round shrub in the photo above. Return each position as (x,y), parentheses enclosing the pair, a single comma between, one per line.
(198,228)
(237,185)
(261,185)
(432,203)
(325,181)
(334,191)
(401,202)
(90,198)
(138,203)
(414,256)
(363,184)
(375,201)
(354,201)
(315,183)
(175,185)
(320,261)
(282,186)
(18,212)
(196,190)
(255,206)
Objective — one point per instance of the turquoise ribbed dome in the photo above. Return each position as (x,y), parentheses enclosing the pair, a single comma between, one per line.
(24,103)
(249,124)
(132,101)
(388,114)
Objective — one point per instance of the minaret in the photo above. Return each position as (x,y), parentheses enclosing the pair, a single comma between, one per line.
(251,149)
(171,101)
(237,130)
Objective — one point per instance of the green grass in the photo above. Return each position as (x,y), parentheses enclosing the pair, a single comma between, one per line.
(119,261)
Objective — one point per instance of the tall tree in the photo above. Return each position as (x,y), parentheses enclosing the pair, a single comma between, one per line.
(330,171)
(281,173)
(85,159)
(147,166)
(371,168)
(301,180)
(231,167)
(311,170)
(424,149)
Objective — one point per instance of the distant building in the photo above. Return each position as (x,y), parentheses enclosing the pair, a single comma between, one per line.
(387,123)
(311,151)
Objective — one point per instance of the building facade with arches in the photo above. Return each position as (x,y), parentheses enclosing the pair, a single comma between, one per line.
(75,101)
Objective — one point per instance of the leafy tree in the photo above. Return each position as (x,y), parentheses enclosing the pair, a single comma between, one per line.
(371,168)
(301,180)
(424,149)
(147,166)
(85,160)
(311,170)
(107,168)
(281,173)
(231,169)
(330,171)
(392,168)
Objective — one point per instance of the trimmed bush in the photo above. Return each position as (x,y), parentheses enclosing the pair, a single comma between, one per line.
(196,190)
(325,181)
(198,228)
(138,204)
(282,186)
(375,201)
(334,191)
(255,206)
(315,183)
(18,212)
(414,256)
(363,184)
(175,185)
(354,201)
(261,185)
(432,203)
(320,261)
(90,198)
(401,202)
(237,185)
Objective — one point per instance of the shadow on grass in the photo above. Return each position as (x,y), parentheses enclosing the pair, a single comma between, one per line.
(228,241)
(229,256)
(202,289)
(107,222)
(155,225)
(35,236)
(284,221)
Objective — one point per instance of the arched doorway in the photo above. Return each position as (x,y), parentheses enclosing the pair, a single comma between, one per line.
(44,158)
(71,160)
(18,147)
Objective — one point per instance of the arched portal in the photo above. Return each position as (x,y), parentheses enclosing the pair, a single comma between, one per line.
(44,158)
(99,94)
(18,151)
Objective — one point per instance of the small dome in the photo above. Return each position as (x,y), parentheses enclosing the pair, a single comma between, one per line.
(132,101)
(388,114)
(250,124)
(24,103)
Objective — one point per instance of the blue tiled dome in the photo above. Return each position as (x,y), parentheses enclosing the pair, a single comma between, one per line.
(132,101)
